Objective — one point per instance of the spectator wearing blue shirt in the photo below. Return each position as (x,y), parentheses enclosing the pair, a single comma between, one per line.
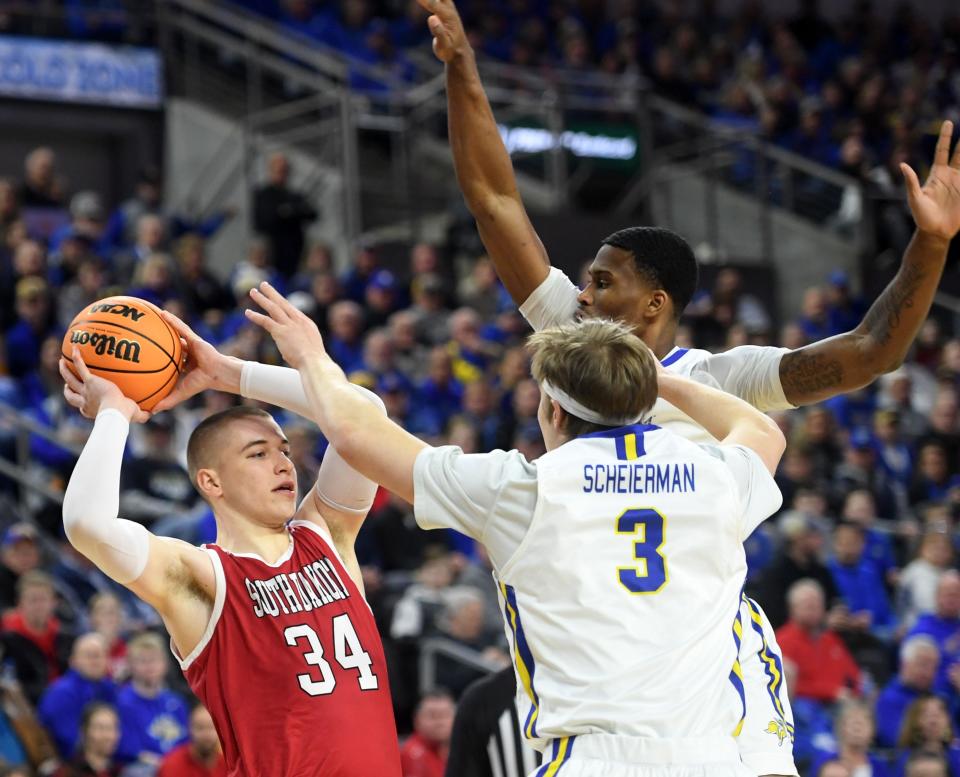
(154,719)
(345,342)
(34,324)
(943,626)
(438,397)
(860,507)
(919,661)
(61,706)
(857,579)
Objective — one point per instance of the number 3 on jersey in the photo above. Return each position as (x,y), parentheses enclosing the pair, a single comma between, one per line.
(344,638)
(651,574)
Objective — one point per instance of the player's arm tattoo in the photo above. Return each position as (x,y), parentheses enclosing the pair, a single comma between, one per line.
(880,343)
(885,316)
(808,374)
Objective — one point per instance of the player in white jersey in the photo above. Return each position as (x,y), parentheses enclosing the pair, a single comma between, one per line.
(619,553)
(645,277)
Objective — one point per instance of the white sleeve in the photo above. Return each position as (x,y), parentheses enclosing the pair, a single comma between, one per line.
(553,302)
(118,547)
(488,496)
(757,491)
(751,372)
(338,484)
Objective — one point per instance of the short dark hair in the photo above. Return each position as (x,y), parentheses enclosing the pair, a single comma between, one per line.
(664,258)
(202,438)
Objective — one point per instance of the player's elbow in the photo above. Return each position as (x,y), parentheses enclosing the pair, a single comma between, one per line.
(771,443)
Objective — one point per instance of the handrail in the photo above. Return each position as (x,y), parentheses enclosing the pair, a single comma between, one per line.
(24,426)
(433,647)
(710,126)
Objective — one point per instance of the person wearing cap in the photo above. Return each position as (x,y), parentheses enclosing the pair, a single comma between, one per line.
(154,484)
(859,470)
(34,324)
(87,222)
(844,310)
(19,553)
(429,308)
(380,298)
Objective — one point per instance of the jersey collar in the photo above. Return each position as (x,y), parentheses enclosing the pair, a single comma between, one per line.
(676,353)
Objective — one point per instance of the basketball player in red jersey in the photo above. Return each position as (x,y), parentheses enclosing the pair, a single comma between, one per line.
(270,624)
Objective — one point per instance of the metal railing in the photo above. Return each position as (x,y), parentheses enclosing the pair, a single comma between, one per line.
(433,648)
(19,470)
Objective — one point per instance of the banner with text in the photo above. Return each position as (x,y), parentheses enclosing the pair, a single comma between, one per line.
(40,69)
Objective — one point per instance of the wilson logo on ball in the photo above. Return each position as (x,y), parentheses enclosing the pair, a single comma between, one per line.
(118,309)
(125,350)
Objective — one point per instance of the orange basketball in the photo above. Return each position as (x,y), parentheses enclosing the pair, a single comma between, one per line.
(124,340)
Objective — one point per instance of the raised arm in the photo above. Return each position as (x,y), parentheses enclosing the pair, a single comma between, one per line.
(484,171)
(728,418)
(160,571)
(849,361)
(368,441)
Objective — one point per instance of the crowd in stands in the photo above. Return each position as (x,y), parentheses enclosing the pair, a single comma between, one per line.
(861,92)
(857,572)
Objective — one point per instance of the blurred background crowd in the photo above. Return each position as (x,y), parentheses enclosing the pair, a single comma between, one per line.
(857,572)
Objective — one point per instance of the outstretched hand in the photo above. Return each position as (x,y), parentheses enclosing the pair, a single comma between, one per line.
(206,368)
(936,204)
(295,334)
(449,37)
(90,393)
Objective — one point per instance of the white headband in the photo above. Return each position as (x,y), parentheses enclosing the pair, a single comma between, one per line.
(574,408)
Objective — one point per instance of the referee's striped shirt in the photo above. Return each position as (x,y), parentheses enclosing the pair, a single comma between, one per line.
(487,740)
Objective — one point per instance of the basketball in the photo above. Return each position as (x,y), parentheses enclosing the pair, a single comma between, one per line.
(125,340)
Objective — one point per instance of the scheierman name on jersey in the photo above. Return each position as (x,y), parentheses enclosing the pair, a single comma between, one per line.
(637,478)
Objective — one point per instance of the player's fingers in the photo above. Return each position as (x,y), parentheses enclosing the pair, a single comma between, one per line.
(942,155)
(72,397)
(955,159)
(261,320)
(273,309)
(69,378)
(910,178)
(142,416)
(78,363)
(277,298)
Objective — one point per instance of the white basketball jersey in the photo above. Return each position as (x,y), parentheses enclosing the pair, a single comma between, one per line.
(622,601)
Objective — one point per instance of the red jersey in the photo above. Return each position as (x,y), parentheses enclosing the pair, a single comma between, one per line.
(291,666)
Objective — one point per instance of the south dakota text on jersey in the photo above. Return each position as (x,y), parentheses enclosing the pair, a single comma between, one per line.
(638,478)
(315,585)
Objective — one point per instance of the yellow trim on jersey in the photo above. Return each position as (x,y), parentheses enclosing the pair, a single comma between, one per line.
(630,446)
(770,661)
(557,762)
(522,670)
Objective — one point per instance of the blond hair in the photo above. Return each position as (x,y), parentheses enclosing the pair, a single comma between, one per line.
(146,640)
(599,363)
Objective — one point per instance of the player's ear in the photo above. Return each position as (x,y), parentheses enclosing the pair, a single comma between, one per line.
(208,483)
(658,304)
(558,416)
